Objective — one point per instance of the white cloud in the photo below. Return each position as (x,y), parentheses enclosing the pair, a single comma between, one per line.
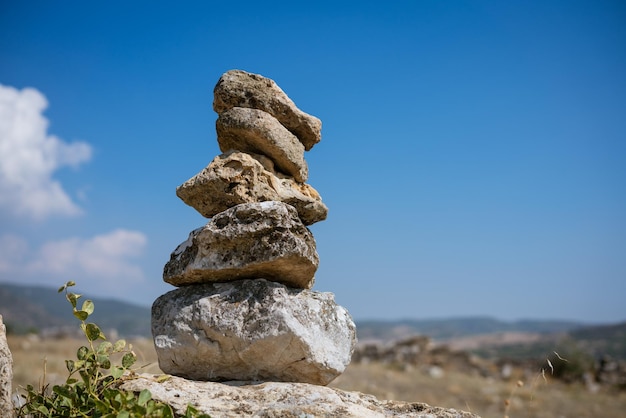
(29,157)
(104,264)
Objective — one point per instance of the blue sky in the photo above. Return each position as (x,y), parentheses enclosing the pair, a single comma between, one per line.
(473,153)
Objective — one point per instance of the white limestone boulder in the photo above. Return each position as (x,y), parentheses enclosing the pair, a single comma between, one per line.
(257,132)
(235,177)
(253,240)
(278,400)
(238,88)
(252,330)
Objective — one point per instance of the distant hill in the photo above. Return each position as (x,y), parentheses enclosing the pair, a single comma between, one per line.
(443,329)
(36,308)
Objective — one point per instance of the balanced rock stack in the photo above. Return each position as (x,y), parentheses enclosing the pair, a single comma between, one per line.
(243,310)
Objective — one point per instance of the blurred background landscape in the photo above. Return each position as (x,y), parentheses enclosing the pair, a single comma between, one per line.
(565,368)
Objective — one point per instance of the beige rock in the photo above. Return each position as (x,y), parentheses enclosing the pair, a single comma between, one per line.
(253,240)
(278,400)
(257,132)
(252,330)
(238,88)
(6,374)
(236,177)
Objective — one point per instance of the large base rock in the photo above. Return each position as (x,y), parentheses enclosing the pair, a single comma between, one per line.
(252,330)
(279,400)
(253,240)
(234,178)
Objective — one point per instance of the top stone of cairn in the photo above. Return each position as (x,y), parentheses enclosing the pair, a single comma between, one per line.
(237,88)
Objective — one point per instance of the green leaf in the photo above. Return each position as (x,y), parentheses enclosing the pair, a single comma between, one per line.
(123,414)
(88,306)
(72,297)
(69,364)
(168,412)
(62,391)
(43,409)
(82,353)
(93,332)
(117,372)
(128,360)
(103,361)
(119,346)
(82,315)
(104,347)
(144,397)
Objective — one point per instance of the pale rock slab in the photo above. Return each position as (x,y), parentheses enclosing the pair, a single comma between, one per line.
(238,88)
(6,374)
(236,177)
(248,241)
(257,132)
(278,400)
(252,330)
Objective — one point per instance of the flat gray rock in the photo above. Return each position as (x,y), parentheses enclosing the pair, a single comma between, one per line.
(235,177)
(278,400)
(257,132)
(253,240)
(252,330)
(238,88)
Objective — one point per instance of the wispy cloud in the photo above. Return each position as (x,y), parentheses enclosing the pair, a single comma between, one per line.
(101,263)
(29,157)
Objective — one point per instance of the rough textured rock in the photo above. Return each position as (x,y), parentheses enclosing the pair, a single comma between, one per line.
(238,88)
(279,400)
(252,330)
(252,240)
(6,374)
(236,177)
(258,132)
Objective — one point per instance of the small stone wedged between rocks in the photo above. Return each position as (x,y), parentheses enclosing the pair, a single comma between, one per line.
(252,330)
(257,132)
(236,177)
(238,88)
(252,240)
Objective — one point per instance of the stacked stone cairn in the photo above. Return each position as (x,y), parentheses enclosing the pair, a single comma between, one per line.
(243,309)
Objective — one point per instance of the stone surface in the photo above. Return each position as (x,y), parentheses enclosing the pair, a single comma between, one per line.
(257,132)
(252,240)
(6,374)
(252,330)
(279,400)
(238,88)
(236,177)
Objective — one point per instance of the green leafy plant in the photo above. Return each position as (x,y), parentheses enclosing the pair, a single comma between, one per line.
(92,386)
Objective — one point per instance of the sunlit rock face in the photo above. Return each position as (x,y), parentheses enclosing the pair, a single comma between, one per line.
(252,330)
(252,240)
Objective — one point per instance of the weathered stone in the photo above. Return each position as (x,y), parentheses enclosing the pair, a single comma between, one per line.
(257,132)
(236,177)
(6,374)
(238,88)
(252,330)
(278,400)
(248,241)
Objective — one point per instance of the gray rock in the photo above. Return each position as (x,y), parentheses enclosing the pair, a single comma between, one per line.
(236,177)
(252,240)
(238,88)
(6,374)
(252,330)
(278,400)
(257,132)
